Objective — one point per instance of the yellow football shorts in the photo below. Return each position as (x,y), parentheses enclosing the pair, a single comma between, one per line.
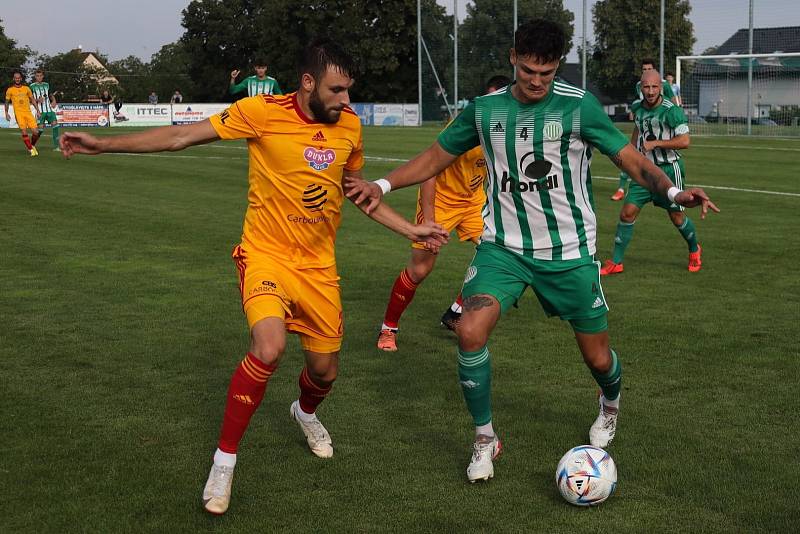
(308,300)
(26,120)
(466,220)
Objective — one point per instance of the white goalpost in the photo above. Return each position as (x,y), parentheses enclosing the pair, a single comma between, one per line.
(741,94)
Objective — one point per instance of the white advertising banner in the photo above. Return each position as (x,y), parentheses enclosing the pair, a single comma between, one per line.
(388,114)
(410,115)
(189,113)
(141,115)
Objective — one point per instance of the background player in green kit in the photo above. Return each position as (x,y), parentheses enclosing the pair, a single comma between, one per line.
(47,103)
(260,84)
(660,131)
(539,224)
(648,64)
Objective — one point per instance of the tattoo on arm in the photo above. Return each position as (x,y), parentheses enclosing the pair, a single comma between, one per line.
(653,180)
(617,160)
(476,302)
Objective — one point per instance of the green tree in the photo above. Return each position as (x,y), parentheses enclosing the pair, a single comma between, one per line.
(487,34)
(626,33)
(225,35)
(11,55)
(134,79)
(168,72)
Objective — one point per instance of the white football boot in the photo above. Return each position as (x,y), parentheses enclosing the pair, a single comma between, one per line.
(217,493)
(604,427)
(484,450)
(319,441)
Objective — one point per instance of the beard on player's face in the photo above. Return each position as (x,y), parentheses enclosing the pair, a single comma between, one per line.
(321,113)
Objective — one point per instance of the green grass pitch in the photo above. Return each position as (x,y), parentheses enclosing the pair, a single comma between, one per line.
(121,325)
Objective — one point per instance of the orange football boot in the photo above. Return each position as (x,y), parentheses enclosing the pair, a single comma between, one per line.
(694,260)
(387,340)
(609,267)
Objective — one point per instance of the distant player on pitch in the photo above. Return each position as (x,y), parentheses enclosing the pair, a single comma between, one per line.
(47,104)
(260,84)
(648,64)
(301,147)
(21,97)
(660,132)
(453,199)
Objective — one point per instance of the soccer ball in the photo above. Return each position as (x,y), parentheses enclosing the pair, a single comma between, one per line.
(586,476)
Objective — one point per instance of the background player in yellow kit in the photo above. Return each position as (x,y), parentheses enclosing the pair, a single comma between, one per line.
(21,97)
(453,199)
(302,146)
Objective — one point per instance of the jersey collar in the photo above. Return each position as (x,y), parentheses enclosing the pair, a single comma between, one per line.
(305,118)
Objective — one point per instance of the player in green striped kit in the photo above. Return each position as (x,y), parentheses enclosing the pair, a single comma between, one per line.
(540,228)
(648,64)
(260,84)
(660,131)
(47,104)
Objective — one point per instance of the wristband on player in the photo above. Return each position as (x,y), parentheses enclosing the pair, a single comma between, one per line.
(384,184)
(672,192)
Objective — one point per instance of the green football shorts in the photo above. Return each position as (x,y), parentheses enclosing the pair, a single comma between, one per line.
(639,196)
(569,289)
(49,117)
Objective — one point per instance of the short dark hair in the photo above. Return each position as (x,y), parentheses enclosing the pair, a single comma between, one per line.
(39,71)
(260,61)
(542,39)
(498,81)
(649,61)
(322,53)
(16,71)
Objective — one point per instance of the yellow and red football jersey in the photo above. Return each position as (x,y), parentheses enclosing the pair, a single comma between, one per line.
(296,167)
(21,98)
(462,182)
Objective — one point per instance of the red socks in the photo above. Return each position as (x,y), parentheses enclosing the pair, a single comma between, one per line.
(35,139)
(247,387)
(27,141)
(402,293)
(311,394)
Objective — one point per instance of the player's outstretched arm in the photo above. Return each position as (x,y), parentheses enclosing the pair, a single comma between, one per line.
(648,175)
(166,138)
(367,195)
(428,232)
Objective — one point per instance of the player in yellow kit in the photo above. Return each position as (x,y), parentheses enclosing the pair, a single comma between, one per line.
(21,97)
(453,199)
(302,147)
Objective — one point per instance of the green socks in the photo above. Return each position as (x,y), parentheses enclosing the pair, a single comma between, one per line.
(55,136)
(688,233)
(621,240)
(623,179)
(611,381)
(475,376)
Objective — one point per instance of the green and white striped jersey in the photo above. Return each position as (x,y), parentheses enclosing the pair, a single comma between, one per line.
(41,93)
(254,86)
(539,188)
(662,122)
(666,90)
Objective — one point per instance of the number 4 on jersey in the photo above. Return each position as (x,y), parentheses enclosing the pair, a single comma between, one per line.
(523,134)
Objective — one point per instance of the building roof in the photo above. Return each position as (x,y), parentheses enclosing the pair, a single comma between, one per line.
(765,41)
(571,73)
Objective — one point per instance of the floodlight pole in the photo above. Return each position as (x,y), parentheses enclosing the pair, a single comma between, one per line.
(661,43)
(750,74)
(419,62)
(583,49)
(516,23)
(455,58)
